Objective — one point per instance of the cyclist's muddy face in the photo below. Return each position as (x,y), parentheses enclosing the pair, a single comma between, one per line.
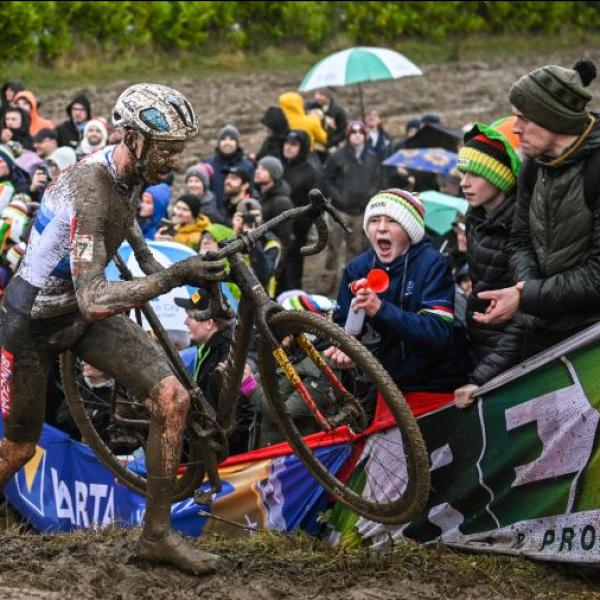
(161,158)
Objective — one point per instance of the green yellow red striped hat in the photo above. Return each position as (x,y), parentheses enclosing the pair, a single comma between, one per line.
(490,155)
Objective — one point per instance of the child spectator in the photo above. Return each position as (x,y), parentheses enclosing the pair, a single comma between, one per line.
(421,346)
(490,167)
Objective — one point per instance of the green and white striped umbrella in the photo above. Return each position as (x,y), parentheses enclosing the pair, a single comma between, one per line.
(358,65)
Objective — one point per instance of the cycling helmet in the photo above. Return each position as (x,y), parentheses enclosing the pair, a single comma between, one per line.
(157,111)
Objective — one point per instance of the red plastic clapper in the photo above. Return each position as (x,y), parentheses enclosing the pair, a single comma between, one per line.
(379,281)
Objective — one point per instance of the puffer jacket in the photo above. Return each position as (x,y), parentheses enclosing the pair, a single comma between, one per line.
(495,348)
(190,234)
(293,107)
(555,245)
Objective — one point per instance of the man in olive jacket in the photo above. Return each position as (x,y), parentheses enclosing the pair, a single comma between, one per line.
(555,237)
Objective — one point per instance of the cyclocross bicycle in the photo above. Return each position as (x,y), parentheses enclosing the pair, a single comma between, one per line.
(398,474)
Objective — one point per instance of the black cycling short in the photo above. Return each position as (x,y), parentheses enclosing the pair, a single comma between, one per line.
(115,345)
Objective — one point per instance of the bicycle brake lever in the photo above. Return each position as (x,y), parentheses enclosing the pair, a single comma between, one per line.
(335,215)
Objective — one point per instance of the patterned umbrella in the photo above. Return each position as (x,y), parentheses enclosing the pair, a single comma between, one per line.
(430,160)
(357,65)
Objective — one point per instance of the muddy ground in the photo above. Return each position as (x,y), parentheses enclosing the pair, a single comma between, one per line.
(269,566)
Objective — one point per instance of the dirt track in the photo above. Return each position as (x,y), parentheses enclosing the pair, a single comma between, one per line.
(84,566)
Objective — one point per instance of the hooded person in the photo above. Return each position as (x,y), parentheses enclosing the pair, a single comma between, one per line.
(29,102)
(228,154)
(15,125)
(62,158)
(277,127)
(197,182)
(7,93)
(154,203)
(421,345)
(71,131)
(95,136)
(293,107)
(302,176)
(336,120)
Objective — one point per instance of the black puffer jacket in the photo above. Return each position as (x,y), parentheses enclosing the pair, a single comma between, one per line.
(352,181)
(495,348)
(555,246)
(274,119)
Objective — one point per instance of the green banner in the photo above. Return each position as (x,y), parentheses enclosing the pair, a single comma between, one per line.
(517,472)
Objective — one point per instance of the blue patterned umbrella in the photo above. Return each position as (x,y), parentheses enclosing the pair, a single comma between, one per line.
(431,160)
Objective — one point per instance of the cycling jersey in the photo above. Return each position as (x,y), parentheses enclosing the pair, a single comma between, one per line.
(86,214)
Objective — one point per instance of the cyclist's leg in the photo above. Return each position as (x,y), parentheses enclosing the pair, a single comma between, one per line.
(121,349)
(23,380)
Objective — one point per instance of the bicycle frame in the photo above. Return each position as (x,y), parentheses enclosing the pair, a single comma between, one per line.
(255,307)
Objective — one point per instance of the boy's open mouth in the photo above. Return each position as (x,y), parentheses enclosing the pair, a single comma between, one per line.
(384,245)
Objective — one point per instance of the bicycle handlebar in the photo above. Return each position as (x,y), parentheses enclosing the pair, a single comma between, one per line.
(318,205)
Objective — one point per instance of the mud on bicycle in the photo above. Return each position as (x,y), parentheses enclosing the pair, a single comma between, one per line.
(382,434)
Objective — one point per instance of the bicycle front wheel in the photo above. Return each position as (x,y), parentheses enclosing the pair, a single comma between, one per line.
(360,408)
(117,431)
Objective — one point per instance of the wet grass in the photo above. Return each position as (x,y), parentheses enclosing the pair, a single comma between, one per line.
(83,67)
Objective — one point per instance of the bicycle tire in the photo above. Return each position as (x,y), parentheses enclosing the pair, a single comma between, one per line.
(397,506)
(184,486)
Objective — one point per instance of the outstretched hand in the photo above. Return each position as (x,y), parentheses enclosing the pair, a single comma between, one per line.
(504,304)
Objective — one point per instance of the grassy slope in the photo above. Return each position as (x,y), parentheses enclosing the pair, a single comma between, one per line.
(86,67)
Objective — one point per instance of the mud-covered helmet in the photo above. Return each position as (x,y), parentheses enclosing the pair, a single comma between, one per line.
(157,111)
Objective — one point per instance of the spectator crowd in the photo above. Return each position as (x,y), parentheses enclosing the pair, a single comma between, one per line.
(518,273)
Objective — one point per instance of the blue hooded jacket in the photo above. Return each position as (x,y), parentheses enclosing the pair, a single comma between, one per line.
(161,194)
(421,346)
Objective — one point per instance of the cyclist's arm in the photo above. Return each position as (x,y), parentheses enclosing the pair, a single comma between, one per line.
(98,298)
(143,254)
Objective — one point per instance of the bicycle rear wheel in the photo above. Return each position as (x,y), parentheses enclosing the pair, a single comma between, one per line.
(362,408)
(117,433)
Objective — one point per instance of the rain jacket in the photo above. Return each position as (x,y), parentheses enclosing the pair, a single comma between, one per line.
(37,122)
(421,346)
(161,194)
(293,106)
(190,234)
